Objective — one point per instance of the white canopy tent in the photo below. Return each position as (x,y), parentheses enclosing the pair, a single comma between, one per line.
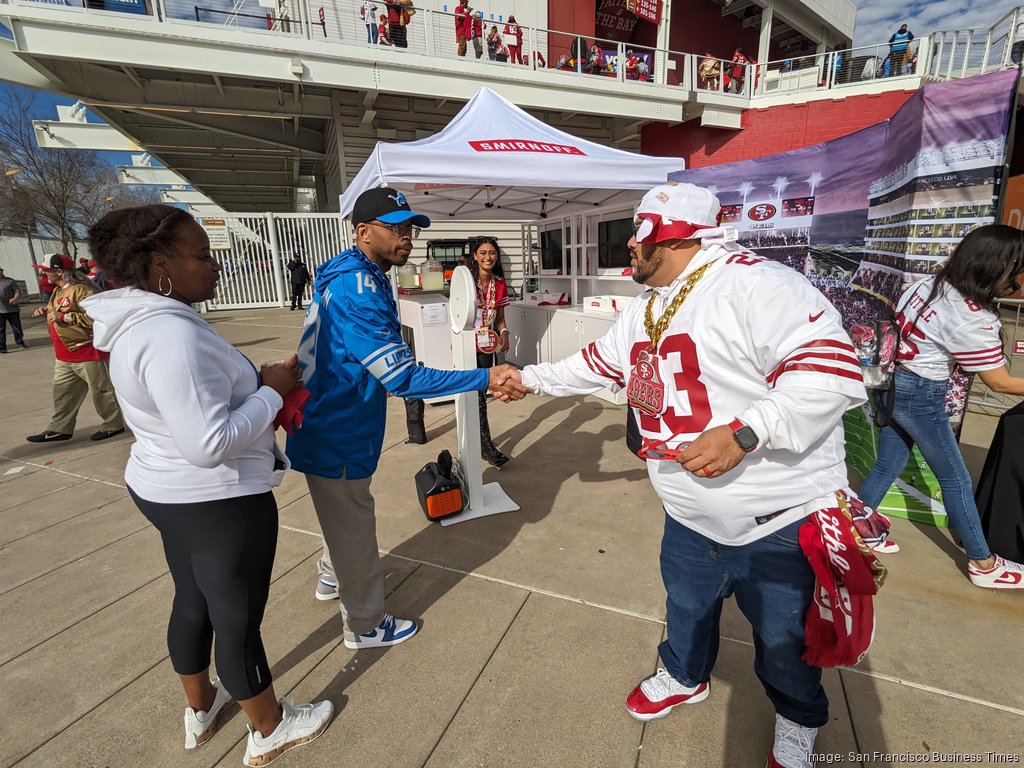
(495,161)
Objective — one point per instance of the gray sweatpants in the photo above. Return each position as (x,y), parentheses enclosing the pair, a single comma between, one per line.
(350,559)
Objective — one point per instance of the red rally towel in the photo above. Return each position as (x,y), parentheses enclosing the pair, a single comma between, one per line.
(289,418)
(840,623)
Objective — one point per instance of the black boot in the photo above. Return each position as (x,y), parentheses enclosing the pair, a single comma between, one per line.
(488,451)
(414,422)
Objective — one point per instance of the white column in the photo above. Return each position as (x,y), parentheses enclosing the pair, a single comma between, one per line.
(764,42)
(275,260)
(661,58)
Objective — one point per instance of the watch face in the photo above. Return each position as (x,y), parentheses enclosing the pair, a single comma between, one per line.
(746,438)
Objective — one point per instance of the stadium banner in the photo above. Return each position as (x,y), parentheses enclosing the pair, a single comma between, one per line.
(867,214)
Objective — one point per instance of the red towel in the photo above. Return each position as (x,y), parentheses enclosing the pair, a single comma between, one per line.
(289,418)
(840,623)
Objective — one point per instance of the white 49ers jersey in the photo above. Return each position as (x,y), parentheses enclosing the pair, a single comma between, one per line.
(754,341)
(950,330)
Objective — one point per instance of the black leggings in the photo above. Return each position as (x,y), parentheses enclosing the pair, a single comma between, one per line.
(221,554)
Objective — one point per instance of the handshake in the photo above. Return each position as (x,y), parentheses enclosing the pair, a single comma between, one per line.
(506,383)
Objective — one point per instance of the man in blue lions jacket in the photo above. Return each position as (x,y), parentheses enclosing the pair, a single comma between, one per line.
(352,355)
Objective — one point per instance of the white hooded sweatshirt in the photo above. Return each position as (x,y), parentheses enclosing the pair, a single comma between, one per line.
(203,424)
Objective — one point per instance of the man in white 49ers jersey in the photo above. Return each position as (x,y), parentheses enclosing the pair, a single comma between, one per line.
(739,372)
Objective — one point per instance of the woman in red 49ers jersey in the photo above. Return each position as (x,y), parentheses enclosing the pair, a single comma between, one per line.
(945,321)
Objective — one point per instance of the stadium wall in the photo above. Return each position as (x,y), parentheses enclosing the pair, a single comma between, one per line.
(771,130)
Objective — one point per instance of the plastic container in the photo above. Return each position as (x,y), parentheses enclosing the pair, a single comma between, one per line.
(432,275)
(407,277)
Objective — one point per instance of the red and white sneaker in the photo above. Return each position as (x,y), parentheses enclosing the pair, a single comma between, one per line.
(886,547)
(658,694)
(794,745)
(1005,574)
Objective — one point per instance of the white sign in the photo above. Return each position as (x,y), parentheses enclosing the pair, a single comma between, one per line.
(434,314)
(217,231)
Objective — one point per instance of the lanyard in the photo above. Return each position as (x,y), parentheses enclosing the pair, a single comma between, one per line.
(488,309)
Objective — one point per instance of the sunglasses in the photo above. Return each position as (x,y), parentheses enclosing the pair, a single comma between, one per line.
(658,450)
(405,229)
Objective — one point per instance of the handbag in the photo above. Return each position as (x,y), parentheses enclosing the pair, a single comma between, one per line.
(439,490)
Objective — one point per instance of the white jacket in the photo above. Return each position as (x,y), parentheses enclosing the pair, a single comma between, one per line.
(203,424)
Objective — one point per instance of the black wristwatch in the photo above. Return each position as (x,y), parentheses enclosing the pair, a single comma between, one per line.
(744,436)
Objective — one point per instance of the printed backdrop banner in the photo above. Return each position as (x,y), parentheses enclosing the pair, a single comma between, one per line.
(867,214)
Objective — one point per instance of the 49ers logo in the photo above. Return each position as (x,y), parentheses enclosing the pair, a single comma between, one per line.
(762,212)
(63,303)
(645,390)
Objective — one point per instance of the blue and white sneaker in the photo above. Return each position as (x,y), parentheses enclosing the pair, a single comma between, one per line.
(390,631)
(326,590)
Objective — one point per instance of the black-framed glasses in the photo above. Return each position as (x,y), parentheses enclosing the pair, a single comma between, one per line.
(405,229)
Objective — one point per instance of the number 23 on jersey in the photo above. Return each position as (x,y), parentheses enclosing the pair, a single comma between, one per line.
(676,368)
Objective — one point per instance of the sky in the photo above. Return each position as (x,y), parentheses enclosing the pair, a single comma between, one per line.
(878,19)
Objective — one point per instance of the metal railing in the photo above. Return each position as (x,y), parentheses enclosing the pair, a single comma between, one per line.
(837,69)
(967,52)
(432,35)
(253,270)
(983,400)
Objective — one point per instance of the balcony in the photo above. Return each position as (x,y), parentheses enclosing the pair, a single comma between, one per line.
(297,90)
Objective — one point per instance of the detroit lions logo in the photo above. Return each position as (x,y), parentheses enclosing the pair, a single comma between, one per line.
(399,199)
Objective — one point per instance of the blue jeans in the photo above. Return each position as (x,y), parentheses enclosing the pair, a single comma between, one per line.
(774,586)
(919,417)
(371,33)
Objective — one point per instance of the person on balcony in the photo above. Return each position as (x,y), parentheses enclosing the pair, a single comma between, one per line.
(398,21)
(737,71)
(463,26)
(514,39)
(383,31)
(494,44)
(578,52)
(368,13)
(899,50)
(709,69)
(477,34)
(632,66)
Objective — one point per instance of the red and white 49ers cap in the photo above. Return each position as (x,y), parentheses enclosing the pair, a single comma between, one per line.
(674,211)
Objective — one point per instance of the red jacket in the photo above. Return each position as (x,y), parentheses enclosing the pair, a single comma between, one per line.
(463,23)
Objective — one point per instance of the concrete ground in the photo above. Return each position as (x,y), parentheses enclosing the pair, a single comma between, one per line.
(536,623)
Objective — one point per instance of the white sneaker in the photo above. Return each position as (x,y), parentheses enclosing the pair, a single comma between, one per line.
(200,726)
(390,631)
(1005,574)
(300,724)
(794,745)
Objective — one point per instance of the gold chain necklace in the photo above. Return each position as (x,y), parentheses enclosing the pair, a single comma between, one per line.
(656,329)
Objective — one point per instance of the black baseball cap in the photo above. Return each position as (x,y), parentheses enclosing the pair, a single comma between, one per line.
(387,205)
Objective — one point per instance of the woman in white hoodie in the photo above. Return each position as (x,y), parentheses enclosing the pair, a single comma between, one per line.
(202,467)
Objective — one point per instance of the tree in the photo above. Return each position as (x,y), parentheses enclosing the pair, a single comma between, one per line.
(57,192)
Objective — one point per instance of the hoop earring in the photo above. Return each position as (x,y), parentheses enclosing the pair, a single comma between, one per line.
(159,286)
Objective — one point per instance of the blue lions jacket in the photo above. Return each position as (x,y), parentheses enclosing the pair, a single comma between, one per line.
(352,354)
